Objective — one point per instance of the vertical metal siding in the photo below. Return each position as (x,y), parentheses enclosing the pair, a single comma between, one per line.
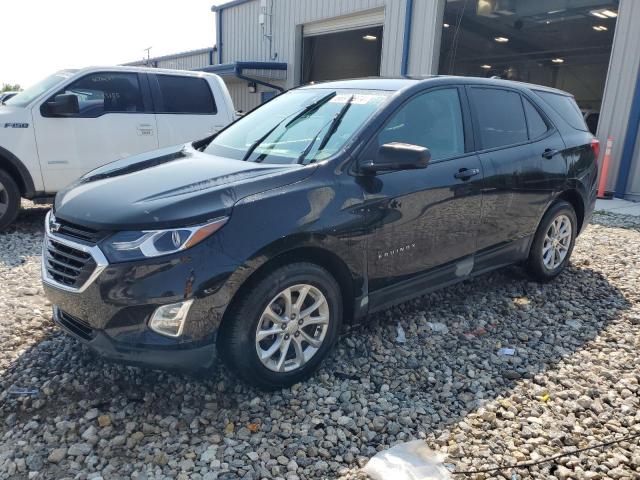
(619,89)
(425,36)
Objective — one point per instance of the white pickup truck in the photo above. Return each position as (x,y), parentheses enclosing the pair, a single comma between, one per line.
(76,120)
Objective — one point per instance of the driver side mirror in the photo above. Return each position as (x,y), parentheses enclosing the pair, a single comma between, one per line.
(397,156)
(63,105)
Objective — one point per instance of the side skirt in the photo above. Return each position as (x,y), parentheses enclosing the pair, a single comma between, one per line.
(451,273)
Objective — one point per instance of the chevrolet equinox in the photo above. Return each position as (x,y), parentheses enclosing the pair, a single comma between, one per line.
(323,205)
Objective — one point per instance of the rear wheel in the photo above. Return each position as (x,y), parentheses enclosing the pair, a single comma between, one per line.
(553,242)
(280,330)
(9,199)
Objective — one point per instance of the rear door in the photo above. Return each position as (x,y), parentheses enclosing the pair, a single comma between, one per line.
(423,219)
(186,108)
(520,151)
(114,121)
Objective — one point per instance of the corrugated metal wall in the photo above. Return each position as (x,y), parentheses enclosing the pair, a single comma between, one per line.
(244,40)
(619,91)
(180,61)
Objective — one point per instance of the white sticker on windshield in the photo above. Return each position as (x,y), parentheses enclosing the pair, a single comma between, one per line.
(358,99)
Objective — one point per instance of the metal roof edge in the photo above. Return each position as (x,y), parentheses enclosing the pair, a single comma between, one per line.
(224,6)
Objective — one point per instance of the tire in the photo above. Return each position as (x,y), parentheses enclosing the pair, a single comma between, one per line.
(540,265)
(238,343)
(9,200)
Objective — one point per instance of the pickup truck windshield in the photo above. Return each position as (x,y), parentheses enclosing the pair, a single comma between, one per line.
(25,97)
(301,126)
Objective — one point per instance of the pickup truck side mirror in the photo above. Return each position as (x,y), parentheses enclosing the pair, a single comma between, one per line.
(397,156)
(63,105)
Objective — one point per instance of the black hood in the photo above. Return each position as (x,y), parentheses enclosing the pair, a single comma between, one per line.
(171,187)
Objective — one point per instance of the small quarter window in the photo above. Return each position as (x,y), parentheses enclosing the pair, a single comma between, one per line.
(536,124)
(567,108)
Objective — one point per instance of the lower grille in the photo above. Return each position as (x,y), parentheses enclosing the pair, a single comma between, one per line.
(76,326)
(67,265)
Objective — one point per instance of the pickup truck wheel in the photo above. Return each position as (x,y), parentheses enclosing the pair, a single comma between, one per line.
(553,242)
(9,200)
(279,332)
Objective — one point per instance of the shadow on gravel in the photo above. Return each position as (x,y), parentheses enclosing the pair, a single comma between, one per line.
(440,375)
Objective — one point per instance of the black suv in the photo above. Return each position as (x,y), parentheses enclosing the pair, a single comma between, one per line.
(323,205)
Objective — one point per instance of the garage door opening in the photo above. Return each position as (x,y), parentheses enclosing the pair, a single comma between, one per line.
(349,54)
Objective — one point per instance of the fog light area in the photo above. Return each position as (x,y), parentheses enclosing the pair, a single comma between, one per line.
(169,319)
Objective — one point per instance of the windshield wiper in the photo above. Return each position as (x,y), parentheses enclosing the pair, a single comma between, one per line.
(333,126)
(308,109)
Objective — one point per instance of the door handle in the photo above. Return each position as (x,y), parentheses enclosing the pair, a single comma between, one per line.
(466,173)
(549,153)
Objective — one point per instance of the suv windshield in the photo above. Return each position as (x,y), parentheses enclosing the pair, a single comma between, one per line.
(34,91)
(301,126)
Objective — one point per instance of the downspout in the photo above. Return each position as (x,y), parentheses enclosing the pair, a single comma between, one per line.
(408,17)
(219,35)
(629,145)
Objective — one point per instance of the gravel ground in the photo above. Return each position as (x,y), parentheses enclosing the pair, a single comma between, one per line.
(571,383)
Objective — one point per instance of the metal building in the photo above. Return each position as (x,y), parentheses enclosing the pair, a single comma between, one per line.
(588,47)
(191,60)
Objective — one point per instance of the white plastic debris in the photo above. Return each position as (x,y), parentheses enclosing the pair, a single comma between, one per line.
(407,461)
(507,351)
(401,338)
(575,324)
(438,327)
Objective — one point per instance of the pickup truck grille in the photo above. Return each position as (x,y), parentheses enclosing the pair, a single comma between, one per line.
(67,265)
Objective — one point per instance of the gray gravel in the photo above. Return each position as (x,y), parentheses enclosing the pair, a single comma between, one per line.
(572,383)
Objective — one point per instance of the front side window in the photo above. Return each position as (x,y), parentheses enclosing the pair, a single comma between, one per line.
(301,126)
(432,120)
(500,117)
(25,97)
(106,92)
(185,95)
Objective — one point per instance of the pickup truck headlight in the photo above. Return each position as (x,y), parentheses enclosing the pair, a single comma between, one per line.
(135,245)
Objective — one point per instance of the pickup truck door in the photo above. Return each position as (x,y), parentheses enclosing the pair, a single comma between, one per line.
(114,121)
(187,108)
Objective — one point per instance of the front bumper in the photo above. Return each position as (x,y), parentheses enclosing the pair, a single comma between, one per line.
(110,313)
(175,357)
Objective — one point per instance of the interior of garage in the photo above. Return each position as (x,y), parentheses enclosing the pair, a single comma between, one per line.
(344,54)
(564,44)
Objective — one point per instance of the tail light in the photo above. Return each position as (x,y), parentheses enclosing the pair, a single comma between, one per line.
(595,146)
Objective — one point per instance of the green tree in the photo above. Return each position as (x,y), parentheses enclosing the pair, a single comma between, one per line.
(7,87)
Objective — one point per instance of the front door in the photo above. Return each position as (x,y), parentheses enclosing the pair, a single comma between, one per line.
(113,122)
(420,220)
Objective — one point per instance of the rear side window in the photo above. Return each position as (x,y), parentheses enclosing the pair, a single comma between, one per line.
(536,124)
(186,95)
(566,107)
(500,117)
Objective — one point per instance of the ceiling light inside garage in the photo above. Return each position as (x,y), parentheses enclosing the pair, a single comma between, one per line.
(557,60)
(501,39)
(485,67)
(445,25)
(370,38)
(600,28)
(604,13)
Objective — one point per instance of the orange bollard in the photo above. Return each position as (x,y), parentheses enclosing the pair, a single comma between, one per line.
(605,168)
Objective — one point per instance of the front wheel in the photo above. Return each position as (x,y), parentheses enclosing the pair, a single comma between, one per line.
(553,242)
(284,325)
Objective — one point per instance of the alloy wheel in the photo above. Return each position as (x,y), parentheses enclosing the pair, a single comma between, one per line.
(292,328)
(556,242)
(4,199)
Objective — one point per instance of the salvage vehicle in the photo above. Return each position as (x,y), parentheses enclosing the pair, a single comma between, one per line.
(77,120)
(330,202)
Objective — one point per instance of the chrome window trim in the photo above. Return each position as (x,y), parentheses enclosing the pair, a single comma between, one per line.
(94,251)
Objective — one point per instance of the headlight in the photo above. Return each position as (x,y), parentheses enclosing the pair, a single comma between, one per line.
(131,245)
